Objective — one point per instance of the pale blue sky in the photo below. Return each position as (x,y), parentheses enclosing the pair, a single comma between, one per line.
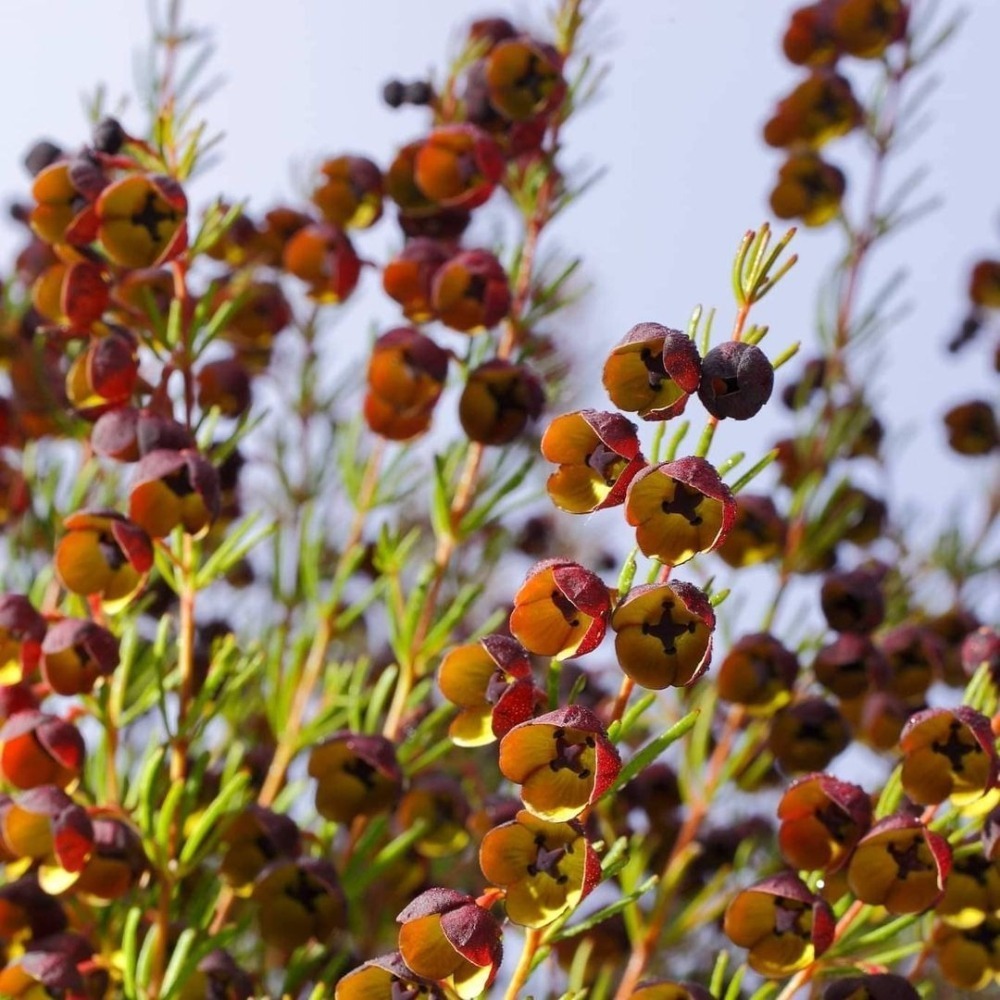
(678,127)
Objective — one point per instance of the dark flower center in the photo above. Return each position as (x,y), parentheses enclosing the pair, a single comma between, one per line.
(908,859)
(654,366)
(149,218)
(955,749)
(569,756)
(547,861)
(362,770)
(606,463)
(685,502)
(837,821)
(566,608)
(791,917)
(111,552)
(667,630)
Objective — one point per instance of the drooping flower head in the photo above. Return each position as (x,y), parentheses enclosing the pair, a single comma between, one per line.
(562,760)
(598,456)
(679,509)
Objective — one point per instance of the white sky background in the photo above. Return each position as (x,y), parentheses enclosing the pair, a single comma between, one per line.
(678,126)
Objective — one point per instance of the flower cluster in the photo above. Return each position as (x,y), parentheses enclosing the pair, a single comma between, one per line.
(276,717)
(820,37)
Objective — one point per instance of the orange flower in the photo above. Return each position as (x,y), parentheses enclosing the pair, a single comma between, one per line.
(22,630)
(866,28)
(103,553)
(653,371)
(971,891)
(822,819)
(784,926)
(298,900)
(969,958)
(498,401)
(901,865)
(598,456)
(447,936)
(984,284)
(408,278)
(72,295)
(40,750)
(438,801)
(26,909)
(562,760)
(104,374)
(76,653)
(664,634)
(46,825)
(323,257)
(850,666)
(809,189)
(679,509)
(972,428)
(809,39)
(546,868)
(470,292)
(50,966)
(174,489)
(260,313)
(406,374)
(457,166)
(357,775)
(385,978)
(142,220)
(490,681)
(350,194)
(225,384)
(65,193)
(821,108)
(915,657)
(948,753)
(807,735)
(561,610)
(759,673)
(254,837)
(524,78)
(113,868)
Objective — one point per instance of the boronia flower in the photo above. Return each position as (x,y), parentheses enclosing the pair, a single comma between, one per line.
(822,819)
(142,220)
(664,634)
(598,456)
(298,900)
(784,926)
(562,760)
(901,865)
(679,509)
(386,978)
(349,195)
(653,371)
(357,774)
(498,401)
(546,868)
(948,753)
(447,936)
(486,680)
(758,672)
(103,553)
(561,610)
(174,489)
